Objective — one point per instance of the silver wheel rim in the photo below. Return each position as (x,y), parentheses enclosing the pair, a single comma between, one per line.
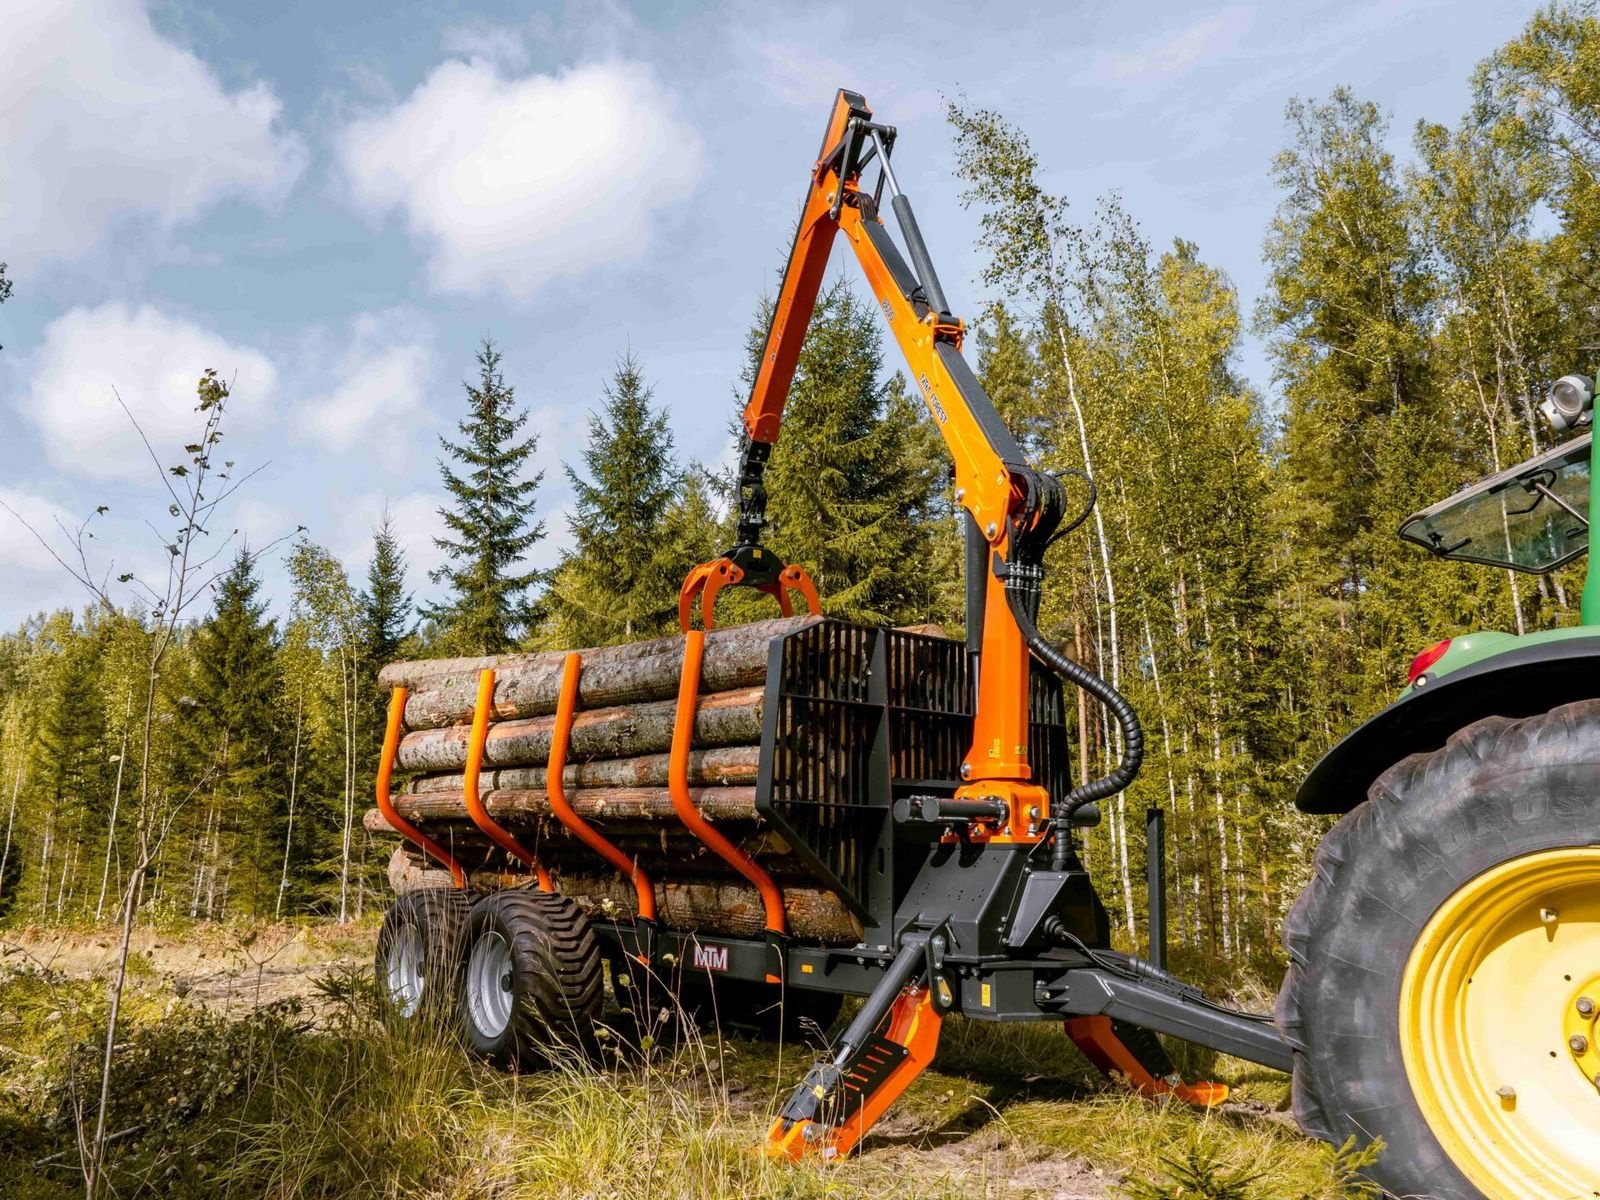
(403,970)
(489,995)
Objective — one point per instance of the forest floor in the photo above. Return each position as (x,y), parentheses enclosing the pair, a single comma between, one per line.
(250,1064)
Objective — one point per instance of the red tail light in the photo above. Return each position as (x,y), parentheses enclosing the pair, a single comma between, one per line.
(1426,659)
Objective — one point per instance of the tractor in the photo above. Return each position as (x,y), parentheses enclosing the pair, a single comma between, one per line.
(1443,989)
(1444,968)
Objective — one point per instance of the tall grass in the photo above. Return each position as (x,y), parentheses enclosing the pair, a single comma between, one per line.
(323,1100)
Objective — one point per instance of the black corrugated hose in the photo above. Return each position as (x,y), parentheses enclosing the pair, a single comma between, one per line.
(1022,594)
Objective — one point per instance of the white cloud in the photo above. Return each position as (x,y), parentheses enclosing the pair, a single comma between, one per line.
(1174,53)
(101,117)
(380,380)
(416,523)
(90,355)
(495,43)
(514,182)
(22,517)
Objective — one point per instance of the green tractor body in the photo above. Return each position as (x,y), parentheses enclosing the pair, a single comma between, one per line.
(1443,990)
(1531,518)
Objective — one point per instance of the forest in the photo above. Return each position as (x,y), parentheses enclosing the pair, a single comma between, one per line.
(174,749)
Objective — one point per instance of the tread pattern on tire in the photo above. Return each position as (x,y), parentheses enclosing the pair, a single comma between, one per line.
(1497,789)
(558,960)
(440,914)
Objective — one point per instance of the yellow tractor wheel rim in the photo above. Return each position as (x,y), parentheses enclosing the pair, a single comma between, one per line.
(1498,1024)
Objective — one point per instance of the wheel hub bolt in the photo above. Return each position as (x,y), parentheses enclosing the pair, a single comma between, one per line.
(1508,1096)
(1585,1006)
(1578,1043)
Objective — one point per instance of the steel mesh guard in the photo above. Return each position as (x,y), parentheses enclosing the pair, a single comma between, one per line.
(856,716)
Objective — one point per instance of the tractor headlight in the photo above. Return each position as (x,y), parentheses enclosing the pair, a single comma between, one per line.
(1570,404)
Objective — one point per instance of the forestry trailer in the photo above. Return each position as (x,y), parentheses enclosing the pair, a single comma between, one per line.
(761,820)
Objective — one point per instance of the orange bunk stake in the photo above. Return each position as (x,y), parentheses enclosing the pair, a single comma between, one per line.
(683,803)
(566,709)
(1101,1046)
(391,746)
(475,806)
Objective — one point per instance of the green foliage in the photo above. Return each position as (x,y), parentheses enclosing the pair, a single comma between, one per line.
(490,520)
(619,581)
(1197,1172)
(386,605)
(5,288)
(851,488)
(233,740)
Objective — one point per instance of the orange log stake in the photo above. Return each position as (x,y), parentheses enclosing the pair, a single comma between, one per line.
(475,807)
(391,744)
(683,802)
(566,709)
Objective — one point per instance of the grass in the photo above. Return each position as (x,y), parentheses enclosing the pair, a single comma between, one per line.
(312,1096)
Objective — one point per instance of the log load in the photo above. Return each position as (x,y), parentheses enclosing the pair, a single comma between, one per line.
(443,690)
(719,906)
(621,731)
(603,806)
(641,822)
(616,779)
(727,766)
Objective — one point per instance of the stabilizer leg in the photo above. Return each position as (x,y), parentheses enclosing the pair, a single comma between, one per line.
(1120,1049)
(840,1099)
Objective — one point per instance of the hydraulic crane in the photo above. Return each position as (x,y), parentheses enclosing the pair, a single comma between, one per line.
(919,783)
(1013,512)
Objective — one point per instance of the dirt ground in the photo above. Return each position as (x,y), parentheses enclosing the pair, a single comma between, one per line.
(235,970)
(225,968)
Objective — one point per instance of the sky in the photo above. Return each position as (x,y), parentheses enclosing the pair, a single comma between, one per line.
(333,204)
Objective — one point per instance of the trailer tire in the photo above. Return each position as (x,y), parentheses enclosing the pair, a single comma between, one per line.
(531,986)
(419,953)
(1415,895)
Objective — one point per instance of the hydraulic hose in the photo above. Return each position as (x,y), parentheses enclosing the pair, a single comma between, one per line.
(1022,594)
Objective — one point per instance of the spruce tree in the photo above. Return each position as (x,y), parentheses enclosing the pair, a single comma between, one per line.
(386,605)
(491,521)
(615,584)
(850,482)
(235,692)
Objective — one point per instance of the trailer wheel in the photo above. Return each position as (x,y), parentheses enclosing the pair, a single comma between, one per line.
(1444,977)
(419,952)
(532,982)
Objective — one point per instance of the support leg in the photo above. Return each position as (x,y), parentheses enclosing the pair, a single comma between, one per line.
(1145,1066)
(839,1100)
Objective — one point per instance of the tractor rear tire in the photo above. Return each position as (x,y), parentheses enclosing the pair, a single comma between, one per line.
(532,985)
(419,953)
(1440,957)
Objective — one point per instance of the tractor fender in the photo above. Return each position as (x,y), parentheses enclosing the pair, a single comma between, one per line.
(1520,682)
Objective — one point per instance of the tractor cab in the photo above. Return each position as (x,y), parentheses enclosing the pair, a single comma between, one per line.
(1533,517)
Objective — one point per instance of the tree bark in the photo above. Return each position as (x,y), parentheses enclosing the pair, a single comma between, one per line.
(728,766)
(605,805)
(527,685)
(712,906)
(624,731)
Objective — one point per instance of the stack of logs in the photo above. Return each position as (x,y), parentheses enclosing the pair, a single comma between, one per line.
(616,778)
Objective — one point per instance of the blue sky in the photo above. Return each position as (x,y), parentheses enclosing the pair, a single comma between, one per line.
(332,203)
